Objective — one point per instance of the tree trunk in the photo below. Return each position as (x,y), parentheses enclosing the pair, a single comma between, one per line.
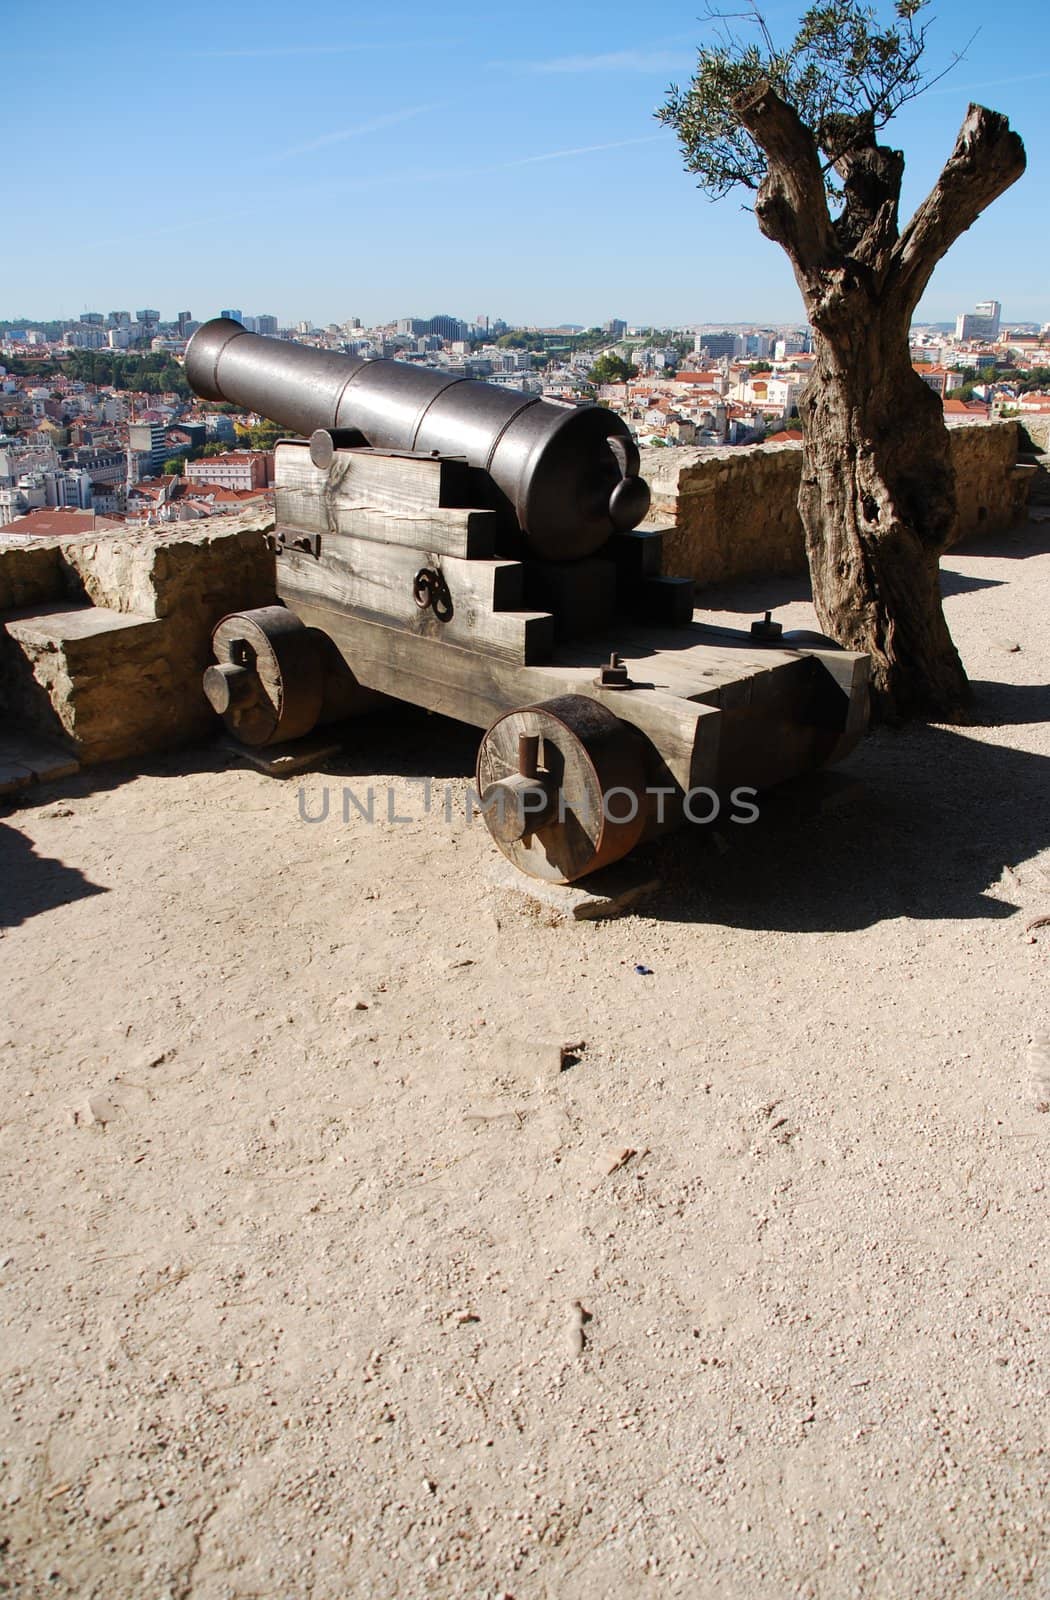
(878,491)
(877,502)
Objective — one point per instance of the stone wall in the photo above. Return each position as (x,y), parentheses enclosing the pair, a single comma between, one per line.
(727,513)
(732,513)
(103,641)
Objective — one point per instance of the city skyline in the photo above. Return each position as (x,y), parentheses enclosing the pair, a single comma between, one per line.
(357,173)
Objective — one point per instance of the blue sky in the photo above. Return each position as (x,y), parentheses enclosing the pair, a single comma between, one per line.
(371,161)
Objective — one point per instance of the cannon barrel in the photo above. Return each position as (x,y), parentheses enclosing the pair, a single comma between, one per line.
(568,472)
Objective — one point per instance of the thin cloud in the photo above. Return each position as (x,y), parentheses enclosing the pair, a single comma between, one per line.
(388,120)
(653,61)
(989,83)
(277,52)
(289,202)
(576,150)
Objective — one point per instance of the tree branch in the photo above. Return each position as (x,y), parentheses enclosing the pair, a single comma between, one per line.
(986,160)
(871,177)
(792,206)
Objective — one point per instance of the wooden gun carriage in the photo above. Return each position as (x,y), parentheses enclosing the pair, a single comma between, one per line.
(476,552)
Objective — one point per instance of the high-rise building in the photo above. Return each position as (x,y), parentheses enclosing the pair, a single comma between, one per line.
(182,318)
(980,323)
(147,316)
(93,319)
(446,327)
(615,327)
(84,338)
(149,439)
(266,324)
(119,319)
(234,316)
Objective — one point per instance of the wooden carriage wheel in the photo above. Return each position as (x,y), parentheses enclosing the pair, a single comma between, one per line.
(268,681)
(562,785)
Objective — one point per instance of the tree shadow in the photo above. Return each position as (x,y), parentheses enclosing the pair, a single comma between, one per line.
(1021,543)
(962,583)
(753,596)
(1008,704)
(925,833)
(30,884)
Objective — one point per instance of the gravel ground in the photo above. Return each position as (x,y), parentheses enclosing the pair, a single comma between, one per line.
(319,1277)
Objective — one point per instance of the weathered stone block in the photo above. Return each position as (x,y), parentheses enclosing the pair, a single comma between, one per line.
(30,574)
(122,675)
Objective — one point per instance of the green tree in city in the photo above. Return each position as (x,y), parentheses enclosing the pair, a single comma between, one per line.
(612,369)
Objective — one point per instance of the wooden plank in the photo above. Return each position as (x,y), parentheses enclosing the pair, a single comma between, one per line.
(375,581)
(637,553)
(469,535)
(581,595)
(663,600)
(391,499)
(682,735)
(393,482)
(413,500)
(678,659)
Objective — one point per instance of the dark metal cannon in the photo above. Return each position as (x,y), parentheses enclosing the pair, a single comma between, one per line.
(567,472)
(474,551)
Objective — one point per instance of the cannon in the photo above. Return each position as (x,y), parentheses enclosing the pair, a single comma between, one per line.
(567,472)
(476,552)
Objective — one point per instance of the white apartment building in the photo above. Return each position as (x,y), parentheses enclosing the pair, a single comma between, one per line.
(237,469)
(980,323)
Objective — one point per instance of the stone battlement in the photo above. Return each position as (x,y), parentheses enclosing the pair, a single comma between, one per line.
(733,513)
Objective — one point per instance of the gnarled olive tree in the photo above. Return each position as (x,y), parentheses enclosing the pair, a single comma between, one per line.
(800,127)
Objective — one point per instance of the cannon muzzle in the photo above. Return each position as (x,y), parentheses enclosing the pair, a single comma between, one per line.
(568,473)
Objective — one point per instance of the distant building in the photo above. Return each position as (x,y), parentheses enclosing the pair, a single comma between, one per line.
(182,322)
(149,439)
(238,469)
(446,327)
(87,337)
(94,319)
(186,436)
(68,487)
(615,327)
(266,324)
(234,316)
(714,345)
(60,523)
(980,323)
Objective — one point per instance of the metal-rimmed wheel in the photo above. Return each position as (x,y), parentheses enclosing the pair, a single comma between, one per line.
(562,787)
(268,680)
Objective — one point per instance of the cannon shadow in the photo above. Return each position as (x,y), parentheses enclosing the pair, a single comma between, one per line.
(925,830)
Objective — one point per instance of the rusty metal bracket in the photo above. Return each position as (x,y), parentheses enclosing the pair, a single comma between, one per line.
(294,539)
(430,591)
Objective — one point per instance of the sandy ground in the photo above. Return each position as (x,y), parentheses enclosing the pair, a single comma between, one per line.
(319,1279)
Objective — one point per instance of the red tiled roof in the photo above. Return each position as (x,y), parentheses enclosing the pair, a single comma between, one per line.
(59,522)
